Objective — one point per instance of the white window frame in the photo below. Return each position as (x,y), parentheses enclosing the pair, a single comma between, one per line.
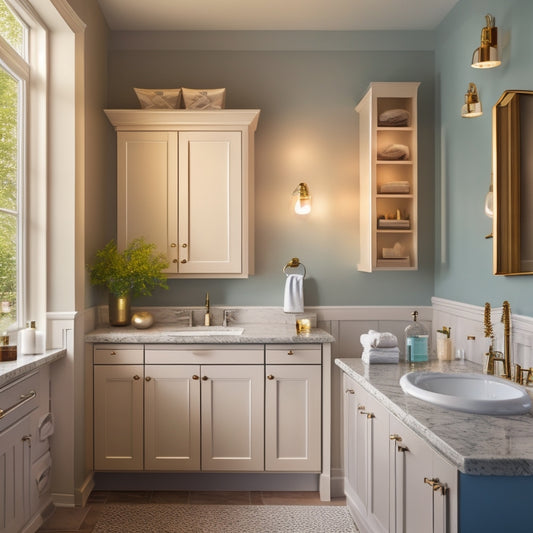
(31,167)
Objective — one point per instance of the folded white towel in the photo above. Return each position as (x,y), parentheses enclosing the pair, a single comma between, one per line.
(382,355)
(294,294)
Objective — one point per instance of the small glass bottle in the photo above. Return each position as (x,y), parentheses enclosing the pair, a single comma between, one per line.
(8,352)
(416,341)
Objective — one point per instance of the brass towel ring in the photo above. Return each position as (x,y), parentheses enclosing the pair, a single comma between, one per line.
(294,263)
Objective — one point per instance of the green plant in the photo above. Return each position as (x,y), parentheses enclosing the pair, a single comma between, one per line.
(136,270)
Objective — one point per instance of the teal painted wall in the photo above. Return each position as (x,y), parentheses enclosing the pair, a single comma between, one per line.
(306,85)
(464,273)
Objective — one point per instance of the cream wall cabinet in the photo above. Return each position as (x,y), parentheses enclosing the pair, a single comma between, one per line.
(394,481)
(293,402)
(388,177)
(185,182)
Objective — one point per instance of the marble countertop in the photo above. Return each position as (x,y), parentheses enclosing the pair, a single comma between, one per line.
(475,444)
(252,334)
(10,370)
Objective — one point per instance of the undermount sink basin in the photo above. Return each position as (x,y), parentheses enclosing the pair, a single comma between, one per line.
(204,331)
(472,393)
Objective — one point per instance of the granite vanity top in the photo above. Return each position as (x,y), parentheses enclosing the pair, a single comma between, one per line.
(23,364)
(475,444)
(252,334)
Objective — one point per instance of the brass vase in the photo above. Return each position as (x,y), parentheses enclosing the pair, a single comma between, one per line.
(119,310)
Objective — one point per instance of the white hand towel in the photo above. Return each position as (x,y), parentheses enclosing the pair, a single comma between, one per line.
(294,294)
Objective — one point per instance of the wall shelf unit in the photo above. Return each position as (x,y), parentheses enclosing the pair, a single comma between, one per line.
(388,174)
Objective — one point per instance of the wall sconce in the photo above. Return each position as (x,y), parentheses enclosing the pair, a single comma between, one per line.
(486,56)
(302,204)
(472,105)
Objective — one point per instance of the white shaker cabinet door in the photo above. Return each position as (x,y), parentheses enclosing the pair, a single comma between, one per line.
(293,418)
(172,417)
(232,417)
(118,417)
(210,202)
(147,177)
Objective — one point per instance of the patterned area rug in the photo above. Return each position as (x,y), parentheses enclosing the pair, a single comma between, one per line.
(174,518)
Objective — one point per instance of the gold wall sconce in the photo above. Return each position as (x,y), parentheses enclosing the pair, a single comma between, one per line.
(487,56)
(472,105)
(302,199)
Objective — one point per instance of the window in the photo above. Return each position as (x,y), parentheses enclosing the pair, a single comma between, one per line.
(14,75)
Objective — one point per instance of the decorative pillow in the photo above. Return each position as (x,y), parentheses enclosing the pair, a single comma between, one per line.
(394,152)
(204,98)
(159,98)
(394,117)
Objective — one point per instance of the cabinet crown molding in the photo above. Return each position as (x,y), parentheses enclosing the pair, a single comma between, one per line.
(128,119)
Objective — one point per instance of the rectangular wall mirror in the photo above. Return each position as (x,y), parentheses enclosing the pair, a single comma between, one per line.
(512,158)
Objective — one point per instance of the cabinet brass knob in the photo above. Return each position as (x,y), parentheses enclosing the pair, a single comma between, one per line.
(349,391)
(204,378)
(27,438)
(270,376)
(290,352)
(113,353)
(403,449)
(174,260)
(361,407)
(148,378)
(183,261)
(195,377)
(136,377)
(173,245)
(184,245)
(395,437)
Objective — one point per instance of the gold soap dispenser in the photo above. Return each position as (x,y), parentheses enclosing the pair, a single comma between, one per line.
(8,352)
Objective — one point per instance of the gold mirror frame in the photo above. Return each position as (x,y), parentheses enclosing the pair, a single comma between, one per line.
(511,177)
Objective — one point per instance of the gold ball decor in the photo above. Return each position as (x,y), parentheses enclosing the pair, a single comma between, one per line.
(142,320)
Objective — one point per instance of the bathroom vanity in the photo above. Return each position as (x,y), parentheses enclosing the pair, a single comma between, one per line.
(25,425)
(411,466)
(258,402)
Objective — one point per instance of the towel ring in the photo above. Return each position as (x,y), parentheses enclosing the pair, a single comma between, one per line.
(294,263)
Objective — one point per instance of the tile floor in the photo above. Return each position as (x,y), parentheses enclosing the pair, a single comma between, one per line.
(83,519)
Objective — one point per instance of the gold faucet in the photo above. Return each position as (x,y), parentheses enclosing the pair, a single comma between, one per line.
(493,355)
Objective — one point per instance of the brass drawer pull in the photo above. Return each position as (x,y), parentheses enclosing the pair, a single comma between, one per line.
(204,378)
(368,415)
(113,353)
(402,449)
(270,376)
(395,437)
(195,377)
(23,398)
(436,485)
(290,352)
(183,261)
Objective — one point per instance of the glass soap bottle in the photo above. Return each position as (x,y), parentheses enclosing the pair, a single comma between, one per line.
(416,341)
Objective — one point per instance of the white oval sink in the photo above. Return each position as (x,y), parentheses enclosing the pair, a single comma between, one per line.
(204,331)
(473,393)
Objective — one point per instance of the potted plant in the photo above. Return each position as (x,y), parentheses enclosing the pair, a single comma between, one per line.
(134,271)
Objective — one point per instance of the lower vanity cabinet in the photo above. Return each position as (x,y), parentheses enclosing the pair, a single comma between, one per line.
(423,485)
(394,481)
(187,408)
(118,407)
(366,453)
(293,403)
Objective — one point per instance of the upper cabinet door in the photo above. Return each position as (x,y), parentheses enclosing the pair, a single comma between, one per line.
(210,202)
(147,190)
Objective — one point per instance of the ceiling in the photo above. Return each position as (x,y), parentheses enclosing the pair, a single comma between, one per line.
(327,15)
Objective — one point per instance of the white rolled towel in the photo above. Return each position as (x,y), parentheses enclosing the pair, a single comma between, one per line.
(381,356)
(382,340)
(375,339)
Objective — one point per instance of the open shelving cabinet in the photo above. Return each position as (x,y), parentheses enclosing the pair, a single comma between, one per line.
(388,177)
